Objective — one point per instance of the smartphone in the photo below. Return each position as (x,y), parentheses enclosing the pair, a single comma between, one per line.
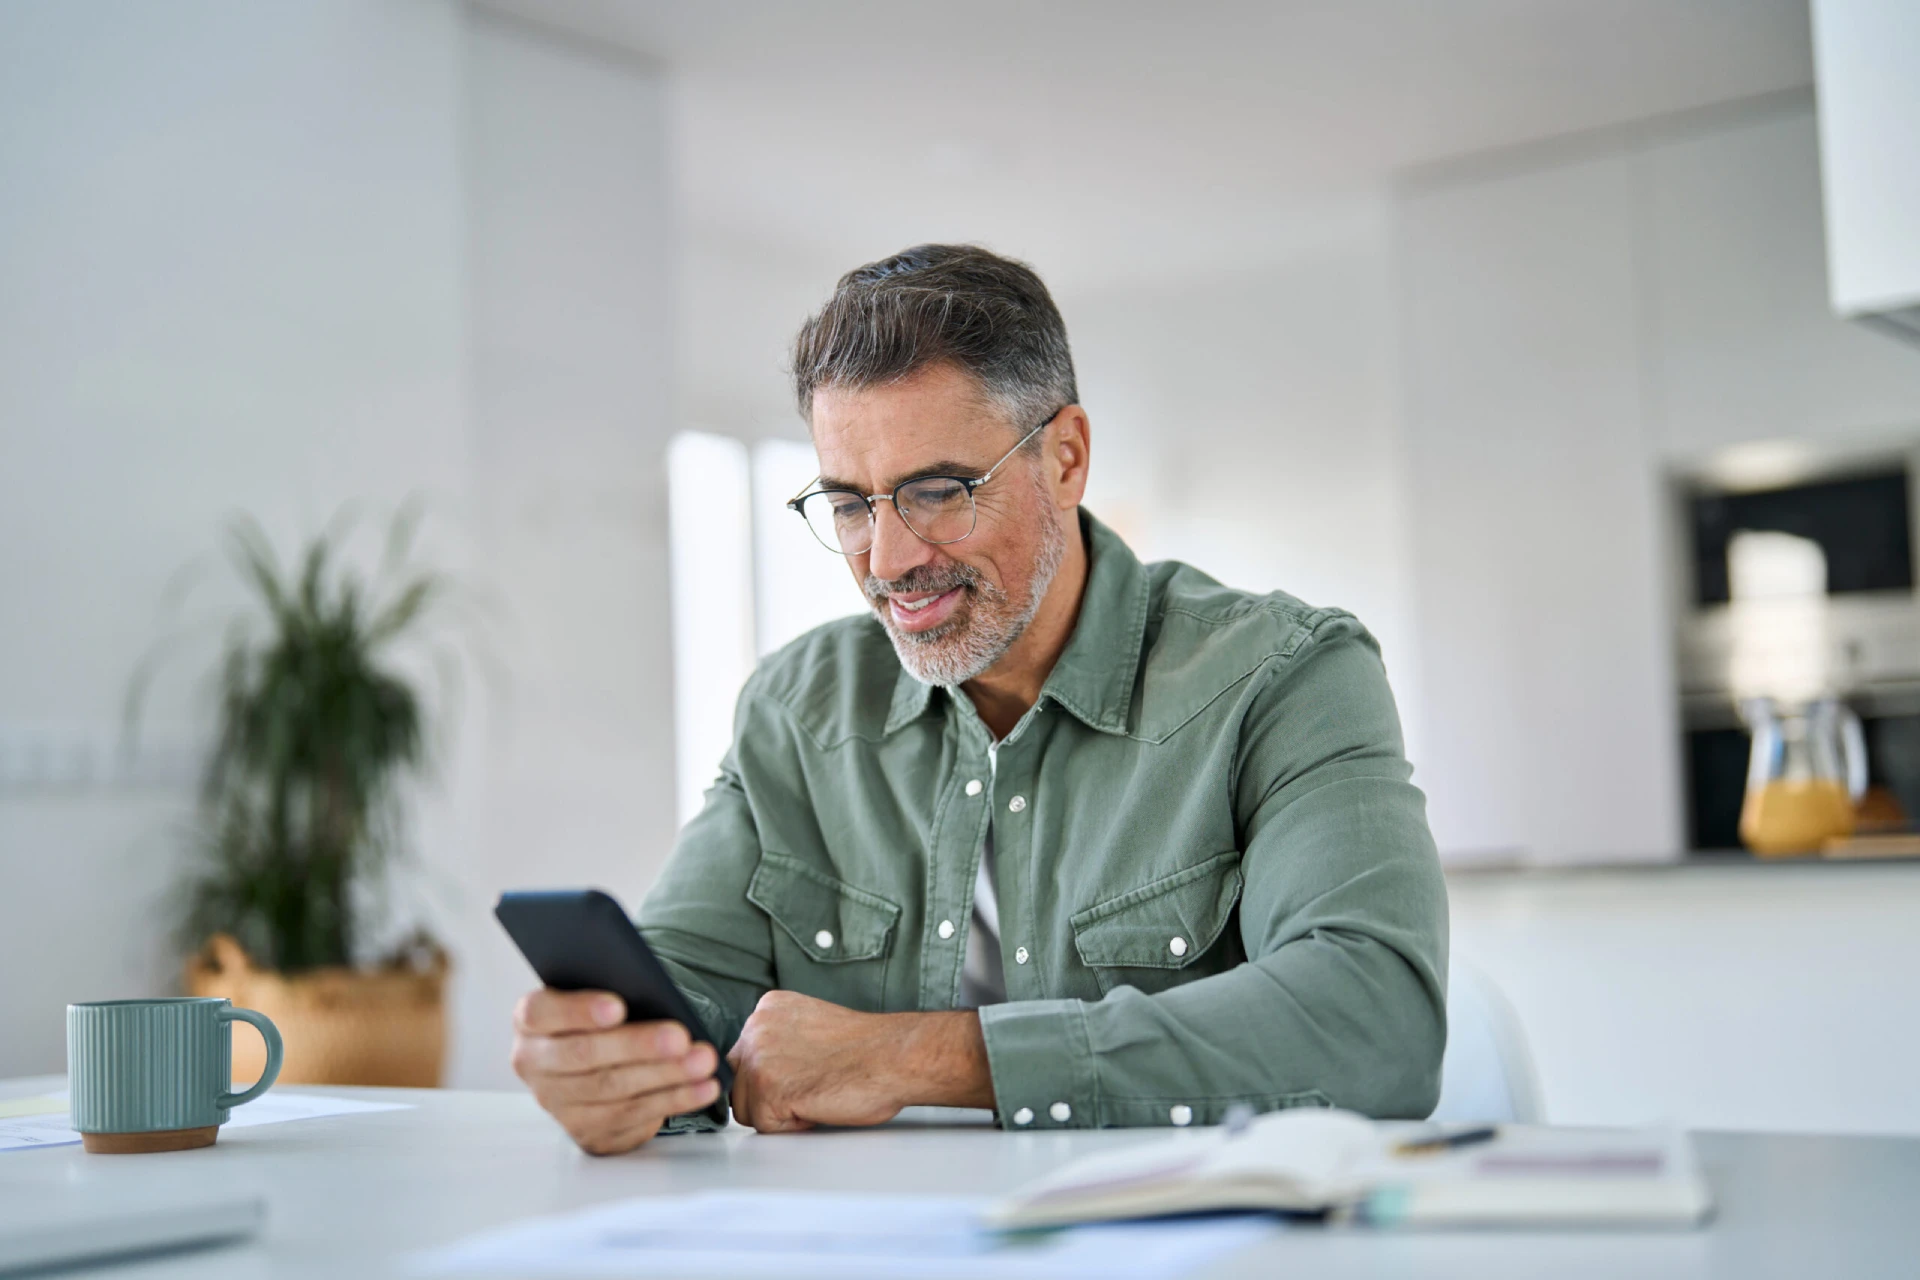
(582,940)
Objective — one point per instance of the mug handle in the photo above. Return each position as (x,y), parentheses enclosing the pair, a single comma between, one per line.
(269,1033)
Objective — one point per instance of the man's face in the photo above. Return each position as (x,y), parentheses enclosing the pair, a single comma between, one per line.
(952,611)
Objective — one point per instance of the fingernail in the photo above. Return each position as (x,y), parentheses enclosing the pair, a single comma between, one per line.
(607,1011)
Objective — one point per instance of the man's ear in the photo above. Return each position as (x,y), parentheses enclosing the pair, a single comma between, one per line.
(1068,450)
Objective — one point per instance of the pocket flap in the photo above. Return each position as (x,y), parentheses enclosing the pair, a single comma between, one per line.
(829,919)
(1167,924)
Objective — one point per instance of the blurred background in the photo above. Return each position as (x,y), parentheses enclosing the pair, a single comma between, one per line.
(1567,342)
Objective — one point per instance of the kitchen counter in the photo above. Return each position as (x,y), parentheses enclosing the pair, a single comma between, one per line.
(1716,861)
(1722,991)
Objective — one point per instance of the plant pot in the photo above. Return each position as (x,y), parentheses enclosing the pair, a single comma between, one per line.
(341,1026)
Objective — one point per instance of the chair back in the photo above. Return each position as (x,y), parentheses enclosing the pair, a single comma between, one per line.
(1487,1075)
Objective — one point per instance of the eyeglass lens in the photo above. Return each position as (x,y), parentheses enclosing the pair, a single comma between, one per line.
(937,509)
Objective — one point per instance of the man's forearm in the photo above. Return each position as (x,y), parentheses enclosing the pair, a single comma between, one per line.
(1335,1020)
(941,1060)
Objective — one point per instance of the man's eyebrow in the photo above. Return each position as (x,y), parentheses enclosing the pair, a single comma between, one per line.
(944,467)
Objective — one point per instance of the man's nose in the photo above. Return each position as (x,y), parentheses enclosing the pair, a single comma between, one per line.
(896,548)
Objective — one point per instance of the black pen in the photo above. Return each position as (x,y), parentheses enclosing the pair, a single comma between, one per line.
(1447,1141)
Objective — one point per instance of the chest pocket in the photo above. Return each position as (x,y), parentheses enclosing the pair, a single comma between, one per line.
(830,939)
(1163,933)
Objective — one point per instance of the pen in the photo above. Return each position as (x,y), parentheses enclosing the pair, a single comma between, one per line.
(1448,1141)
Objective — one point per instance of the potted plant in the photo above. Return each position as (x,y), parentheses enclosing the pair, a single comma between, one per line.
(301,817)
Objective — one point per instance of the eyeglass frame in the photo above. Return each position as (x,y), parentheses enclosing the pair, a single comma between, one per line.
(970,483)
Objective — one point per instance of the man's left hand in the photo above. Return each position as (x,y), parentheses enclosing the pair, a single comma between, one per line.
(800,1062)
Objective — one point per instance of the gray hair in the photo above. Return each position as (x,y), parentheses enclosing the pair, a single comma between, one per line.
(941,304)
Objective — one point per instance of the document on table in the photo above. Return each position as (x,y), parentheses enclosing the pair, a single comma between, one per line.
(801,1234)
(43,1121)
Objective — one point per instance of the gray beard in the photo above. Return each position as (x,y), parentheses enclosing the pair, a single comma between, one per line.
(967,646)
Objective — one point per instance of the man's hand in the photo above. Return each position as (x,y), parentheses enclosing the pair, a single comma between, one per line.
(801,1062)
(609,1084)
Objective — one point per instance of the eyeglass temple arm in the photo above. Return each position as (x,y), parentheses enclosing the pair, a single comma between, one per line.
(793,503)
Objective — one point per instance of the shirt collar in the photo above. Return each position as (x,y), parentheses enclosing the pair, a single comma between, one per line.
(1094,677)
(909,700)
(1095,674)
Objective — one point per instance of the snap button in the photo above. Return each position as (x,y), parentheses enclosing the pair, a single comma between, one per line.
(1181,1114)
(1019,955)
(1023,1116)
(823,939)
(946,929)
(973,787)
(1017,803)
(1178,946)
(1061,1112)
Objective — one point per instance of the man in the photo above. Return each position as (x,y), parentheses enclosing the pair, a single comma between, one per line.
(1085,841)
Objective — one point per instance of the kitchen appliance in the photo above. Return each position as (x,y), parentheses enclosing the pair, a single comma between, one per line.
(1858,508)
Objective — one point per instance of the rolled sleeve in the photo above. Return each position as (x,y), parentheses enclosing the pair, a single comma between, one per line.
(1042,1062)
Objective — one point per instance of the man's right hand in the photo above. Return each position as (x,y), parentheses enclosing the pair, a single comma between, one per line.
(609,1083)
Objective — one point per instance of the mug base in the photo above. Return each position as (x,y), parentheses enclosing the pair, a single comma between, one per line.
(131,1144)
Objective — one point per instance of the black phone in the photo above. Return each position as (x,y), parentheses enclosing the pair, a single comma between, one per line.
(582,940)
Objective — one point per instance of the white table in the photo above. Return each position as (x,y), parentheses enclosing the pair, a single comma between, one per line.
(350,1196)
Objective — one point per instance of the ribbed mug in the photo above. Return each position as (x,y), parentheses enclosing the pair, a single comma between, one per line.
(157,1075)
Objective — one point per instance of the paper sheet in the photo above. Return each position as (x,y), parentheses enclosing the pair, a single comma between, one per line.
(801,1234)
(43,1122)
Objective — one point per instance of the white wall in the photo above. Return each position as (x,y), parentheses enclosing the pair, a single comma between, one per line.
(1578,318)
(1742,344)
(229,277)
(1246,424)
(1545,668)
(572,359)
(1729,997)
(740,301)
(235,273)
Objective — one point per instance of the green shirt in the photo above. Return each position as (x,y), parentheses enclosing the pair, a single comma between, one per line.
(1215,880)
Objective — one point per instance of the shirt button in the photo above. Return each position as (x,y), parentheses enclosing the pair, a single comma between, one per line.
(1061,1112)
(823,939)
(1023,1116)
(946,929)
(973,787)
(1017,804)
(1019,955)
(1181,1114)
(1178,946)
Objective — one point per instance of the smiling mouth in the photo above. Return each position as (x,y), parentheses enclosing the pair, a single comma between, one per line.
(917,614)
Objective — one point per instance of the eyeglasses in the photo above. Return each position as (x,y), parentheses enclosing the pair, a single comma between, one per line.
(938,509)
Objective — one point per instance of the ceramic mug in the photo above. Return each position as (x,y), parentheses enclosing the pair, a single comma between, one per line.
(157,1075)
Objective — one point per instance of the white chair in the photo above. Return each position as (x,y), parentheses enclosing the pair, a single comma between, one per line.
(1487,1075)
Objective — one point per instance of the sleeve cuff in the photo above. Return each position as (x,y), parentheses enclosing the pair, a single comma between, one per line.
(716,1115)
(1042,1064)
(712,1120)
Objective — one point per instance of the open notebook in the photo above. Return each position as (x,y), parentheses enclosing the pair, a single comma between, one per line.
(1314,1161)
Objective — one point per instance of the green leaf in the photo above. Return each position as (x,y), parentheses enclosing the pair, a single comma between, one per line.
(300,801)
(252,555)
(396,617)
